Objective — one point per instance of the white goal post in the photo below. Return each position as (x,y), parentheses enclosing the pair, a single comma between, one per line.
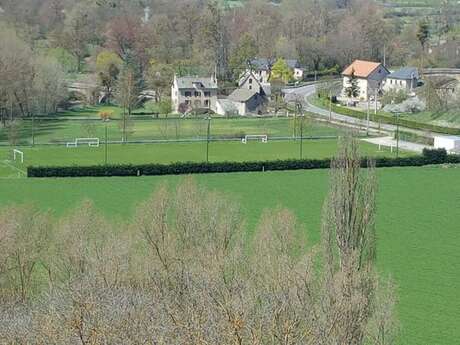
(391,147)
(91,142)
(17,153)
(262,137)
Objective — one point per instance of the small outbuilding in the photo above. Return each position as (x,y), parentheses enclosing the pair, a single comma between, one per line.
(450,143)
(242,102)
(405,79)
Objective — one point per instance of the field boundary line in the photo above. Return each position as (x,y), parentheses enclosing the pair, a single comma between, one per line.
(7,163)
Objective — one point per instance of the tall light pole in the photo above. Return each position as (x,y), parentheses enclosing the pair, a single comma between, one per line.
(396,115)
(368,115)
(106,143)
(33,130)
(301,135)
(208,138)
(300,116)
(330,105)
(397,135)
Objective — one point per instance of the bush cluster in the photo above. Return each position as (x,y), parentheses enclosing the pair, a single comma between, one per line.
(428,157)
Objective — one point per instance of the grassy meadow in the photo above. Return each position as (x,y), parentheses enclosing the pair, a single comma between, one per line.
(417,225)
(86,124)
(175,152)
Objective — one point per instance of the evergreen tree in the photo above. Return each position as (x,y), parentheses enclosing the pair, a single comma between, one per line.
(352,91)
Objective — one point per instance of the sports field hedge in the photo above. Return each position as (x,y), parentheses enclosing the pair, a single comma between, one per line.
(438,156)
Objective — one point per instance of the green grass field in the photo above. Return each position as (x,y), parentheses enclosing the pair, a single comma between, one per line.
(175,152)
(67,128)
(417,222)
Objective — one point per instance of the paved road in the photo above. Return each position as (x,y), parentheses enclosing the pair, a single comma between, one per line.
(303,93)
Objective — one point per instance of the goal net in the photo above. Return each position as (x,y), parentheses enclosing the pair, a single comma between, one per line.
(91,142)
(18,156)
(262,137)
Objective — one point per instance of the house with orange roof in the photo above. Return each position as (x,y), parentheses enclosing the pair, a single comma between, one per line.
(365,78)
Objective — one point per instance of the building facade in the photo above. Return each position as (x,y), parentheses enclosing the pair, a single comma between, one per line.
(189,93)
(369,78)
(405,79)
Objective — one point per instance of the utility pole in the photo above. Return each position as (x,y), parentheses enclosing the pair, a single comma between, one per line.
(208,138)
(368,115)
(375,101)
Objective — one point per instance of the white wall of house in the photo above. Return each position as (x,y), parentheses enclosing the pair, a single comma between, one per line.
(367,86)
(298,73)
(450,143)
(399,84)
(193,97)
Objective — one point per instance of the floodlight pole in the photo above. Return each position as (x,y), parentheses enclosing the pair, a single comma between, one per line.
(33,130)
(106,147)
(330,105)
(397,135)
(301,135)
(208,138)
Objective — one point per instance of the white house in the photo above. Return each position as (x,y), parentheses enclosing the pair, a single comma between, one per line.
(405,79)
(261,69)
(296,68)
(250,81)
(369,77)
(448,142)
(194,93)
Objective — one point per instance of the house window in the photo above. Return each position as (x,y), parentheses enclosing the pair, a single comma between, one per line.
(187,102)
(207,94)
(206,103)
(188,94)
(250,87)
(250,80)
(197,93)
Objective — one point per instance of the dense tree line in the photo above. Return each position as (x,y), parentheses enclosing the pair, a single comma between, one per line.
(185,270)
(156,38)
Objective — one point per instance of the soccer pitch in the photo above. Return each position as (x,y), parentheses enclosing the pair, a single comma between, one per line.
(164,153)
(417,225)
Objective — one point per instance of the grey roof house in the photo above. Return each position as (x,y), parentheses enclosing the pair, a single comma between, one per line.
(405,78)
(193,92)
(242,102)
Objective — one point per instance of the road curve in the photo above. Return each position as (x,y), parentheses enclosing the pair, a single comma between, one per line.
(304,92)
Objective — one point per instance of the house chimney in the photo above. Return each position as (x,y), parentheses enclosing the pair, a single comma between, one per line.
(146,15)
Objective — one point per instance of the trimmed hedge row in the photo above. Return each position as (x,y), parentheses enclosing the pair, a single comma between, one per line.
(391,120)
(428,157)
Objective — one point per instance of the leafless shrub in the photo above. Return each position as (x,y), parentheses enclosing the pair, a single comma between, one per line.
(181,273)
(24,234)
